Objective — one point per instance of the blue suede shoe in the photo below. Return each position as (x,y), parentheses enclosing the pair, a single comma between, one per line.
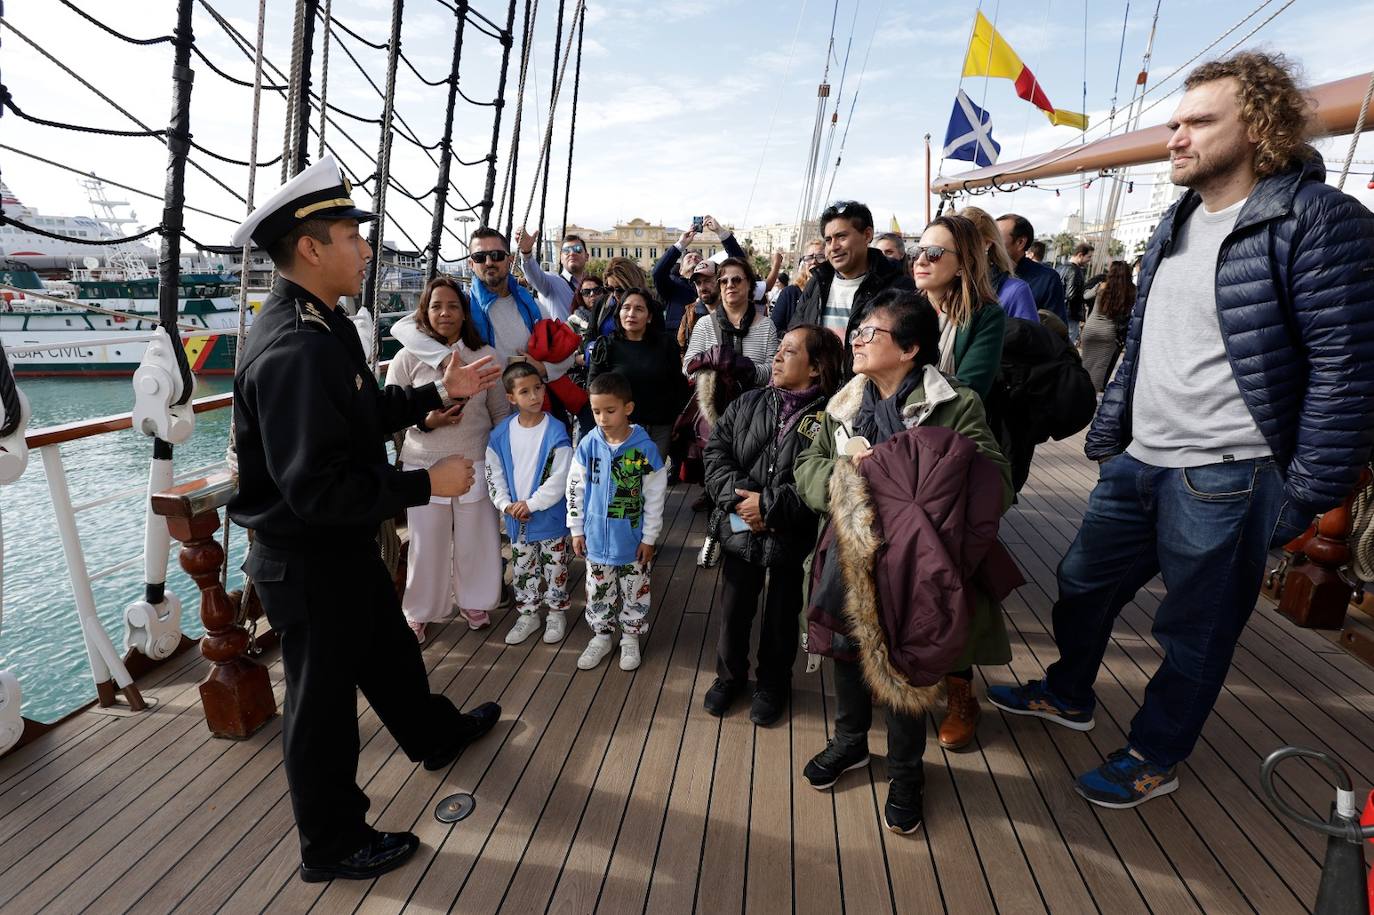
(1036,700)
(1126,781)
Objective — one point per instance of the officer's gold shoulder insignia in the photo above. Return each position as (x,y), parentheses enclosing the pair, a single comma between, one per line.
(308,312)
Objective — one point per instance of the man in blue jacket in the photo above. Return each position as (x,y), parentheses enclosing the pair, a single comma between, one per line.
(1243,406)
(1044,281)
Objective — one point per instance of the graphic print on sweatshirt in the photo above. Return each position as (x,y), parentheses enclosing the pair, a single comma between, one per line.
(628,470)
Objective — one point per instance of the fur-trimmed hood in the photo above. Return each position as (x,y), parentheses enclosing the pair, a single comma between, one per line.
(935,390)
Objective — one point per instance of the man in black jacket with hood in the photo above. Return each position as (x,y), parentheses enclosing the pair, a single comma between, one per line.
(840,290)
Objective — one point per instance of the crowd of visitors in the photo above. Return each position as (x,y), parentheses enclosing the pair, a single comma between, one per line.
(863,403)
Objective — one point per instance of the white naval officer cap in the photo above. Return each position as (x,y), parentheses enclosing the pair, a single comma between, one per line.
(319,192)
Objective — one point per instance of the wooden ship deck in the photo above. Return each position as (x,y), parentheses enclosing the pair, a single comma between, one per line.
(615,792)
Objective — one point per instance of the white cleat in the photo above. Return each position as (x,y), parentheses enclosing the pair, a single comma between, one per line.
(596,649)
(526,626)
(555,627)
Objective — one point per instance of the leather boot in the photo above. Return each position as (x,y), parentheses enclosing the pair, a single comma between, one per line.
(961,722)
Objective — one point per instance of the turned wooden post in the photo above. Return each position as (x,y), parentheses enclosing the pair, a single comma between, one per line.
(237,693)
(1315,594)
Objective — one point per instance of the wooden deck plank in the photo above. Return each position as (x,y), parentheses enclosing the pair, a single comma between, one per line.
(768,877)
(962,872)
(581,805)
(815,846)
(648,732)
(237,858)
(726,847)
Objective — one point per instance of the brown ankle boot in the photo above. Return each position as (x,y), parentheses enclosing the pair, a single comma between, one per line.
(961,723)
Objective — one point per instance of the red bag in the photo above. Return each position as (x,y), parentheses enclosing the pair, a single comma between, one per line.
(553,341)
(1368,820)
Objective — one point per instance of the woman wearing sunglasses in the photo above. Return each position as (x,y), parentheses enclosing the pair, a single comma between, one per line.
(950,265)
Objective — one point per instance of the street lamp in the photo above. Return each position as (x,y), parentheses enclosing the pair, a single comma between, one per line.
(467,241)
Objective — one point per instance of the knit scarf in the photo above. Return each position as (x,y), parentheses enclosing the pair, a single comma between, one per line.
(483,298)
(880,417)
(948,330)
(731,337)
(791,404)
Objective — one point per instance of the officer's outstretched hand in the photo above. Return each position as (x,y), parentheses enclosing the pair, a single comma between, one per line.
(451,476)
(468,379)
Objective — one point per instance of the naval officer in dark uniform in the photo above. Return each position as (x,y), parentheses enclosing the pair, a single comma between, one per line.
(310,424)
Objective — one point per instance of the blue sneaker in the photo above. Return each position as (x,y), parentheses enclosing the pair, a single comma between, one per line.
(1036,700)
(1125,781)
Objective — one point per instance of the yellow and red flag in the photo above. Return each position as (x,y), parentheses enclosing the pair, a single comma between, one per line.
(990,55)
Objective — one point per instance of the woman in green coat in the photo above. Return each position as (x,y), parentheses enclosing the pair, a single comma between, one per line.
(897,386)
(951,268)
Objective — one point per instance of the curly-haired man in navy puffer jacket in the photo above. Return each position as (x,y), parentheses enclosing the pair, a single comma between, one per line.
(1244,405)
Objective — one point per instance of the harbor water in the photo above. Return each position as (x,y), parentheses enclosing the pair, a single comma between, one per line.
(40,636)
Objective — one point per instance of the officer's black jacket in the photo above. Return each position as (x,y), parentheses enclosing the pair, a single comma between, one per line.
(310,425)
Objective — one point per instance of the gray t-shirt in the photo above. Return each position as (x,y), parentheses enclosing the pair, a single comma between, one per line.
(1187,409)
(508,331)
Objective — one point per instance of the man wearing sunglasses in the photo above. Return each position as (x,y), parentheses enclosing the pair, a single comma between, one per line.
(557,294)
(840,289)
(675,288)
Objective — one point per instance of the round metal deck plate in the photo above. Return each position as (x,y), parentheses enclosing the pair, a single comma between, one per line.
(455,807)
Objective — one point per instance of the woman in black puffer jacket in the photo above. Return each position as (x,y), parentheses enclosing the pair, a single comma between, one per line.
(764,527)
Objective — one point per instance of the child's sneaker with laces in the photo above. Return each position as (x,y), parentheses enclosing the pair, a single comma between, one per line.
(596,649)
(1036,700)
(555,627)
(526,626)
(629,652)
(1125,780)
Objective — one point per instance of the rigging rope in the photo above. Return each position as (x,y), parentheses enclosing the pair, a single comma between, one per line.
(161,39)
(155,230)
(835,115)
(853,101)
(572,130)
(548,148)
(553,107)
(777,104)
(1355,136)
(109,101)
(223,75)
(384,180)
(531,13)
(813,153)
(324,73)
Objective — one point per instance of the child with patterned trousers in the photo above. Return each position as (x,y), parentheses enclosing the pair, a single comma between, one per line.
(616,488)
(528,456)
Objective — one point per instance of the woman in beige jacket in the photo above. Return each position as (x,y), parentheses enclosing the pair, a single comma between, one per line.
(455,544)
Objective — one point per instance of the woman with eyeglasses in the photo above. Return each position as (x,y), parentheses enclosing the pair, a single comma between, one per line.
(1013,294)
(589,293)
(950,265)
(641,350)
(786,304)
(903,456)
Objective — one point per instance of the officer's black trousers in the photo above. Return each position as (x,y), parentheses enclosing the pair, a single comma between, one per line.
(351,636)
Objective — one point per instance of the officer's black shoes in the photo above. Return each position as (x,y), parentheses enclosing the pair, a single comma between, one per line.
(475,723)
(385,851)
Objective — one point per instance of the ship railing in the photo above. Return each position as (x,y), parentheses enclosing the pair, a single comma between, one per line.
(199,493)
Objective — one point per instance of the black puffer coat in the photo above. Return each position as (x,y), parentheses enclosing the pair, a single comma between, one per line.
(744,452)
(1295,298)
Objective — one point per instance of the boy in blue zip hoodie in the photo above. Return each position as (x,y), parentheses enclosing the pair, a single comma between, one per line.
(528,455)
(616,487)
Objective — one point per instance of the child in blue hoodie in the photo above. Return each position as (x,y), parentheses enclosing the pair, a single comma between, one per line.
(616,488)
(528,455)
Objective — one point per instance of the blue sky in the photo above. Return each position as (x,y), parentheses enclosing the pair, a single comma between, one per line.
(686,107)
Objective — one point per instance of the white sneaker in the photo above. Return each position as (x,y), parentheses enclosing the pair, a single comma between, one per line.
(555,627)
(596,649)
(629,652)
(526,626)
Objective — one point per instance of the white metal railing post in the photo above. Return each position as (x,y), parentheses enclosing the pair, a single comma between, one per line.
(14,457)
(105,662)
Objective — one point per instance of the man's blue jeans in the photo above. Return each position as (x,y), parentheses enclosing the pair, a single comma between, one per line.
(1207,530)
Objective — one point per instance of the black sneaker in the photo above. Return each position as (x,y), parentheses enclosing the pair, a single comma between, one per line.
(829,764)
(904,808)
(768,705)
(475,723)
(385,851)
(721,696)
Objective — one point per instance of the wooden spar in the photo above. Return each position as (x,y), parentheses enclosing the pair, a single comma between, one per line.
(1337,105)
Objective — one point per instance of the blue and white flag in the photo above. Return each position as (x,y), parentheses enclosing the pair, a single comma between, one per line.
(969,136)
